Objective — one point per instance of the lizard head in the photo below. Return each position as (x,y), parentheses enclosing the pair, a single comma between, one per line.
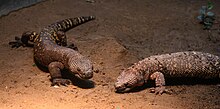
(128,79)
(81,67)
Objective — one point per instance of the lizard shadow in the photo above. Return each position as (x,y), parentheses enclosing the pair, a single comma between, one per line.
(177,81)
(82,83)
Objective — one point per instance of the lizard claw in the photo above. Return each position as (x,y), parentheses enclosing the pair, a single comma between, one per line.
(158,90)
(59,81)
(17,43)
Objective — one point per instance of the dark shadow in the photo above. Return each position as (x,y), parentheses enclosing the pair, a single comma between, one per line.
(41,67)
(191,81)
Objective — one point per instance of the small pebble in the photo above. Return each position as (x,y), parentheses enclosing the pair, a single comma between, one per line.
(56,86)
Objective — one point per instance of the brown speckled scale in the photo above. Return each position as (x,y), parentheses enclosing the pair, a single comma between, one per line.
(158,67)
(50,50)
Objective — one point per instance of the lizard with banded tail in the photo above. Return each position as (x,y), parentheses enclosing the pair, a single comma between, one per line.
(51,51)
(158,67)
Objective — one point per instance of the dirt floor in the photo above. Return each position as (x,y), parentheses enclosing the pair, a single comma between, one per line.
(124,32)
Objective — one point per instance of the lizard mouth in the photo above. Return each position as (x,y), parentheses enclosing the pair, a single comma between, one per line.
(84,75)
(122,90)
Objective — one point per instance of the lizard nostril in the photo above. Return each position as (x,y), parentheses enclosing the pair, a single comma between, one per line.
(89,75)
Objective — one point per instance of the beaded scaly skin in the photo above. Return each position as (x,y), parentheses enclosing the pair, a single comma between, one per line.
(50,50)
(158,67)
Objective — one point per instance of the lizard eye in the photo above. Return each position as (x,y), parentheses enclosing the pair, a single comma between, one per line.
(78,69)
(126,85)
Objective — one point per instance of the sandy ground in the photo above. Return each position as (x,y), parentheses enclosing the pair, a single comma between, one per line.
(123,33)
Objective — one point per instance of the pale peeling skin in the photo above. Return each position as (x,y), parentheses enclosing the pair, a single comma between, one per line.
(50,50)
(158,67)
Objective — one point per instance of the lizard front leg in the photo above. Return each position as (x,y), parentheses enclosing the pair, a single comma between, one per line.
(159,82)
(55,73)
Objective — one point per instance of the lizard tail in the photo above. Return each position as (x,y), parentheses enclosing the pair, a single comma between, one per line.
(69,23)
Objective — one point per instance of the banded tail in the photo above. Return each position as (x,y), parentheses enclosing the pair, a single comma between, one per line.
(67,24)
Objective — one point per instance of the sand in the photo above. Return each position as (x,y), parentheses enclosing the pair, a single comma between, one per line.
(124,32)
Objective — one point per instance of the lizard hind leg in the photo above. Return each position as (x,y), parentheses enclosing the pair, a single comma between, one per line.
(55,73)
(159,82)
(61,40)
(17,43)
(28,36)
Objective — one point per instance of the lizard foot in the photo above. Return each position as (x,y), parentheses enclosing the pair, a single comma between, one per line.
(60,81)
(17,43)
(158,90)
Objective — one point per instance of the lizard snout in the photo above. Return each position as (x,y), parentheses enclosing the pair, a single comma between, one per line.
(119,87)
(85,75)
